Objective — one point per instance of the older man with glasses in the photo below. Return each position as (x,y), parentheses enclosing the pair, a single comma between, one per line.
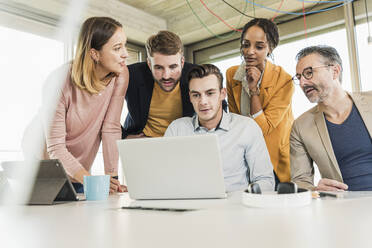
(336,133)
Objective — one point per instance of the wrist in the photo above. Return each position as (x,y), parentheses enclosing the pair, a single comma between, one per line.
(254,92)
(79,175)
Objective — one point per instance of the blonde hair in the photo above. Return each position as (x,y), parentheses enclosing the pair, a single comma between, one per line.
(94,33)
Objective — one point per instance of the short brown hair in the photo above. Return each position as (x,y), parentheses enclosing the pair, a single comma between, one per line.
(95,32)
(201,71)
(164,42)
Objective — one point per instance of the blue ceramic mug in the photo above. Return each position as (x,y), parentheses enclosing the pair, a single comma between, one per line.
(96,188)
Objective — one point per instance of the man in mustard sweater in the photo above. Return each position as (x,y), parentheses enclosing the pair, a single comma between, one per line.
(158,91)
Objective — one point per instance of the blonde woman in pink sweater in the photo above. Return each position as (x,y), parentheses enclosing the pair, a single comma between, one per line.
(90,103)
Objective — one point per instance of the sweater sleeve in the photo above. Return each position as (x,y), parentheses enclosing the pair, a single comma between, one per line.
(258,159)
(55,122)
(111,128)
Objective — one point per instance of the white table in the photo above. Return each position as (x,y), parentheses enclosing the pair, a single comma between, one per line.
(217,223)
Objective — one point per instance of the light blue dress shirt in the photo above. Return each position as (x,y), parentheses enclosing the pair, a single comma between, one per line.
(244,153)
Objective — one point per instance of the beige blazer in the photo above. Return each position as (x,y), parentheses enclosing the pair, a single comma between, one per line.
(310,142)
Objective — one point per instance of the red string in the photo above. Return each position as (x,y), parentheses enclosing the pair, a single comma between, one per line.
(276,13)
(222,20)
(303,11)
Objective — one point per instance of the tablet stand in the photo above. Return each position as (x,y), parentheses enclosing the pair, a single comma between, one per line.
(52,184)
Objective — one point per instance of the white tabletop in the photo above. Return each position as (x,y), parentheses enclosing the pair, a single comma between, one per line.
(217,223)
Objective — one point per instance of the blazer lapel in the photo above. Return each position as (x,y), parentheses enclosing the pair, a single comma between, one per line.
(364,108)
(237,91)
(147,86)
(323,133)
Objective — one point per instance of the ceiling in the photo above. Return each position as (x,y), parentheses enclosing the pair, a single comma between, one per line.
(180,18)
(192,20)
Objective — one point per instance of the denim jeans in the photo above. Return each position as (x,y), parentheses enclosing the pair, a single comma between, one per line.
(79,187)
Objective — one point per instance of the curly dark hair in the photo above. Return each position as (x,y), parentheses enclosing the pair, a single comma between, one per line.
(269,28)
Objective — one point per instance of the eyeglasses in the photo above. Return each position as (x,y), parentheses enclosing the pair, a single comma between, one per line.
(307,73)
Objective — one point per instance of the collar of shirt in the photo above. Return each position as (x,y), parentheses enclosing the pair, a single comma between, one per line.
(224,123)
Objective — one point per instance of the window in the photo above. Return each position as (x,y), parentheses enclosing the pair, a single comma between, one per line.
(226,64)
(365,51)
(26,60)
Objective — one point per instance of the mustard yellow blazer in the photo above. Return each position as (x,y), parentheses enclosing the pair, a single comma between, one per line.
(276,92)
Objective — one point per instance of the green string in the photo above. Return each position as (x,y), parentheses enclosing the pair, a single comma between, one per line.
(210,31)
(254,9)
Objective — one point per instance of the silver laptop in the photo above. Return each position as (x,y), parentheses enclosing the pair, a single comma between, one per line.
(173,167)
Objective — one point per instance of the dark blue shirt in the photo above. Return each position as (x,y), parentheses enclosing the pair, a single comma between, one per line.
(352,146)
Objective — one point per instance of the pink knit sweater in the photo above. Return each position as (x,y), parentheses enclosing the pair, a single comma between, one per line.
(82,120)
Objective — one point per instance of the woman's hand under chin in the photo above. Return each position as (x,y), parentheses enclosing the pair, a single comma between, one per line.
(253,74)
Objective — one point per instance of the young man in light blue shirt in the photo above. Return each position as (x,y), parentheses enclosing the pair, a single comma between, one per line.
(244,153)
